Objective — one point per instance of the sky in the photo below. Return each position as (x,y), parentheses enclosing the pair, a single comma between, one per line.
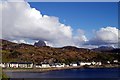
(81,24)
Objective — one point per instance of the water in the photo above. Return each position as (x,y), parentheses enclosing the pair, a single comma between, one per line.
(72,73)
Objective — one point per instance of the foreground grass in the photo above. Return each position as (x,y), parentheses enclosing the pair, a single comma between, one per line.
(3,76)
(0,72)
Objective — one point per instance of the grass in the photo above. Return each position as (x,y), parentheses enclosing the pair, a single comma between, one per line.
(3,76)
(0,72)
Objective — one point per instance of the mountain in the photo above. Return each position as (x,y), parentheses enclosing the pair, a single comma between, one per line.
(103,48)
(40,43)
(13,52)
(117,50)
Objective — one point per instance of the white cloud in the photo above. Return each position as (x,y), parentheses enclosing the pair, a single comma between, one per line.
(22,21)
(22,41)
(79,38)
(89,46)
(107,35)
(48,44)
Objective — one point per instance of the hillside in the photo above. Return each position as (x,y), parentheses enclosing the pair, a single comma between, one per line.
(29,53)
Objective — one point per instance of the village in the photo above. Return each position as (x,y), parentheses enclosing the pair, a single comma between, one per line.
(52,65)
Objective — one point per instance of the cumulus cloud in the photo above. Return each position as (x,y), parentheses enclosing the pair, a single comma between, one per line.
(105,36)
(80,37)
(22,21)
(22,41)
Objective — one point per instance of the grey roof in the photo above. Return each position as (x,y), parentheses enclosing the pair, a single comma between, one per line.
(20,62)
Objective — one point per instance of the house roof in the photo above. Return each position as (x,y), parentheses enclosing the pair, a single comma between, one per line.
(13,62)
(20,62)
(38,64)
(24,62)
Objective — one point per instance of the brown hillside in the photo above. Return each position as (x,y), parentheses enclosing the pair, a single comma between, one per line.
(29,53)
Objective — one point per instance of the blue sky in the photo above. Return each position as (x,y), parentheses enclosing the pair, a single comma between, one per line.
(88,16)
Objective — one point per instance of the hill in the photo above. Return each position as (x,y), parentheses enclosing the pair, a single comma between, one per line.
(103,48)
(30,53)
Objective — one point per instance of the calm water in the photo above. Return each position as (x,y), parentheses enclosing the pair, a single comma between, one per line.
(73,73)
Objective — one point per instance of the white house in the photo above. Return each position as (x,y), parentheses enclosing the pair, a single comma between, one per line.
(45,65)
(38,65)
(59,65)
(13,64)
(93,63)
(52,65)
(25,65)
(98,63)
(2,65)
(67,65)
(85,63)
(108,62)
(7,65)
(73,64)
(115,61)
(62,64)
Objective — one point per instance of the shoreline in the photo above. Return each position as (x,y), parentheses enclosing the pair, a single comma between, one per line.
(39,69)
(54,69)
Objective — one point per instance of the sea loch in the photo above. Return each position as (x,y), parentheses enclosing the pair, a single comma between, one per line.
(111,73)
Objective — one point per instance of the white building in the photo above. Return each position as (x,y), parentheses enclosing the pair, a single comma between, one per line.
(115,61)
(20,65)
(98,63)
(67,65)
(45,65)
(7,65)
(52,65)
(2,65)
(38,65)
(93,63)
(13,64)
(25,65)
(63,65)
(108,62)
(73,64)
(59,65)
(85,63)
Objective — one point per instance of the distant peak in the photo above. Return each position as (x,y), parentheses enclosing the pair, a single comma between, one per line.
(106,47)
(40,43)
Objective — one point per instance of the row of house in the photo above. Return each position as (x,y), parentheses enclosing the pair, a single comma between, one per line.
(114,61)
(45,65)
(17,65)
